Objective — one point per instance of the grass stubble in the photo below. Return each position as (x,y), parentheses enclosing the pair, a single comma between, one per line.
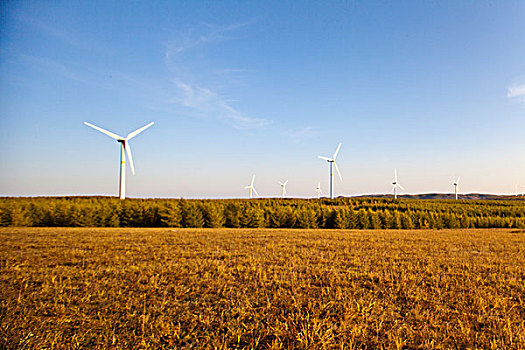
(66,288)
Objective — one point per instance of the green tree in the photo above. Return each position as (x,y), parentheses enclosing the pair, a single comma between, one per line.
(170,215)
(213,215)
(191,214)
(232,215)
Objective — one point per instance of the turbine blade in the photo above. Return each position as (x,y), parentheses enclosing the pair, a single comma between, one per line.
(336,151)
(254,190)
(325,158)
(253,180)
(285,182)
(138,131)
(401,187)
(280,183)
(128,152)
(457,181)
(338,172)
(109,133)
(395,175)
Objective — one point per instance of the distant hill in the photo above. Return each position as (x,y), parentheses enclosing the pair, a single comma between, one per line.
(467,196)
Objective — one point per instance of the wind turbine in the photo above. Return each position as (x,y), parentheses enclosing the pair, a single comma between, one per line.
(396,184)
(251,188)
(283,185)
(333,163)
(318,190)
(124,149)
(456,184)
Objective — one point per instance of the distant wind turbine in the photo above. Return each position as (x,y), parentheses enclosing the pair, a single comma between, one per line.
(396,184)
(318,190)
(252,188)
(283,186)
(333,163)
(456,185)
(124,149)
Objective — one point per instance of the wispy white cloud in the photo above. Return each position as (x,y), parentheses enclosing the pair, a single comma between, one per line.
(194,87)
(205,101)
(301,134)
(204,34)
(516,91)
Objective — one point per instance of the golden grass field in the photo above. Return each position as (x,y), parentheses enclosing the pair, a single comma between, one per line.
(66,288)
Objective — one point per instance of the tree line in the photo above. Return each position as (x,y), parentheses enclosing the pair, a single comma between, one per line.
(339,213)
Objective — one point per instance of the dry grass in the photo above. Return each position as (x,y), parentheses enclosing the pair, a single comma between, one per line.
(218,289)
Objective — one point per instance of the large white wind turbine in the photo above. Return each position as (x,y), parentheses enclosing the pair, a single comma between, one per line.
(318,190)
(333,163)
(456,185)
(124,149)
(252,188)
(396,184)
(283,186)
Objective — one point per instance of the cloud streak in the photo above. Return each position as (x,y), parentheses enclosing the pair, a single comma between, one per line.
(205,101)
(302,134)
(192,85)
(516,91)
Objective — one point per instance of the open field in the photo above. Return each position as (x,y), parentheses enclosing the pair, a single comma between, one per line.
(261,288)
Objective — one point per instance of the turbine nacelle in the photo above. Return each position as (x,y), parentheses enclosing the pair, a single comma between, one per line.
(251,187)
(332,161)
(456,184)
(283,186)
(124,150)
(318,190)
(396,184)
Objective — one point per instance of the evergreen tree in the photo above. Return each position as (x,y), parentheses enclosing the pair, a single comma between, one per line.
(191,215)
(232,215)
(362,219)
(277,217)
(213,215)
(306,218)
(406,221)
(252,217)
(396,221)
(19,216)
(170,215)
(375,221)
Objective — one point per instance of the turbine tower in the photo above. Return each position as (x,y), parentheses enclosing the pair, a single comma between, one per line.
(283,186)
(318,190)
(396,184)
(124,149)
(333,164)
(456,184)
(251,188)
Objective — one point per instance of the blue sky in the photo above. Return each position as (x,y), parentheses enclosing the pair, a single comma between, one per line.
(434,89)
